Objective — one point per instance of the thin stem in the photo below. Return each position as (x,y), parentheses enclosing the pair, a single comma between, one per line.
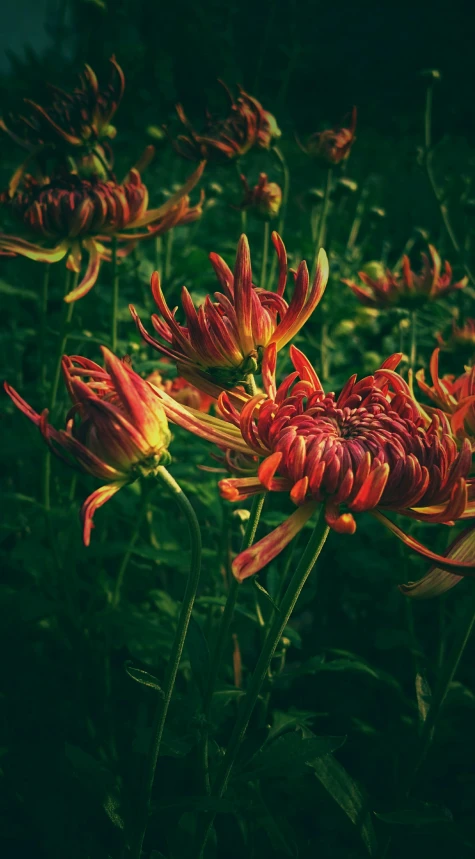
(413,353)
(158,255)
(168,255)
(324,362)
(43,321)
(440,693)
(248,702)
(225,627)
(130,548)
(283,209)
(67,315)
(437,192)
(265,251)
(175,656)
(115,295)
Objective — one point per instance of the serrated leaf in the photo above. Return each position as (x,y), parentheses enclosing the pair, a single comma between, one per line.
(144,678)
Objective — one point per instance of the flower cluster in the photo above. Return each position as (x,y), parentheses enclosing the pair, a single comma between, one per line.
(455,396)
(407,289)
(246,127)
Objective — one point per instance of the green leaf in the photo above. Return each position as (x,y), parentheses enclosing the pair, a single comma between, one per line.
(198,653)
(144,678)
(267,595)
(346,793)
(420,815)
(423,695)
(290,753)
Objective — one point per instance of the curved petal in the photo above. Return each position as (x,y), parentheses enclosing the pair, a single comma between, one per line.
(155,214)
(466,568)
(90,276)
(437,581)
(261,553)
(91,504)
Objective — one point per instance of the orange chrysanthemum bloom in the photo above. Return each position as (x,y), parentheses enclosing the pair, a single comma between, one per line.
(406,288)
(453,395)
(333,145)
(116,430)
(246,126)
(68,216)
(265,198)
(369,449)
(228,338)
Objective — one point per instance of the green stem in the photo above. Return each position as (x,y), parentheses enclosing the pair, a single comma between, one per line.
(248,702)
(265,251)
(158,255)
(174,659)
(115,296)
(168,255)
(283,209)
(437,192)
(324,362)
(413,353)
(43,322)
(130,548)
(440,693)
(225,627)
(67,315)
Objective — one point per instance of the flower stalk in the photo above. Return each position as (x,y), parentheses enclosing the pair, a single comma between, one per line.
(115,294)
(175,656)
(304,568)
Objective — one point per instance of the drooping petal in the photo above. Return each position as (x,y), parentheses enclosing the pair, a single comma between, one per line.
(91,275)
(437,581)
(467,568)
(92,503)
(261,553)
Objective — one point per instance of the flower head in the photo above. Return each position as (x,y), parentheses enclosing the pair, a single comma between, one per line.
(78,119)
(116,430)
(228,338)
(453,395)
(67,216)
(265,198)
(407,289)
(460,337)
(181,390)
(246,126)
(368,449)
(333,145)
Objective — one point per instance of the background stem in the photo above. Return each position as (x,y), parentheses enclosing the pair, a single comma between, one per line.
(304,568)
(175,656)
(115,295)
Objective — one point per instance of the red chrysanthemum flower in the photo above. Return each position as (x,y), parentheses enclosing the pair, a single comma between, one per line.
(265,198)
(68,216)
(333,145)
(369,449)
(228,338)
(116,430)
(246,126)
(81,118)
(453,395)
(406,288)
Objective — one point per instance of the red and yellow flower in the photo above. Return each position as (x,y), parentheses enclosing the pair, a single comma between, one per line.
(265,198)
(453,395)
(116,430)
(181,390)
(228,338)
(405,288)
(460,337)
(369,449)
(69,216)
(333,145)
(246,126)
(72,120)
